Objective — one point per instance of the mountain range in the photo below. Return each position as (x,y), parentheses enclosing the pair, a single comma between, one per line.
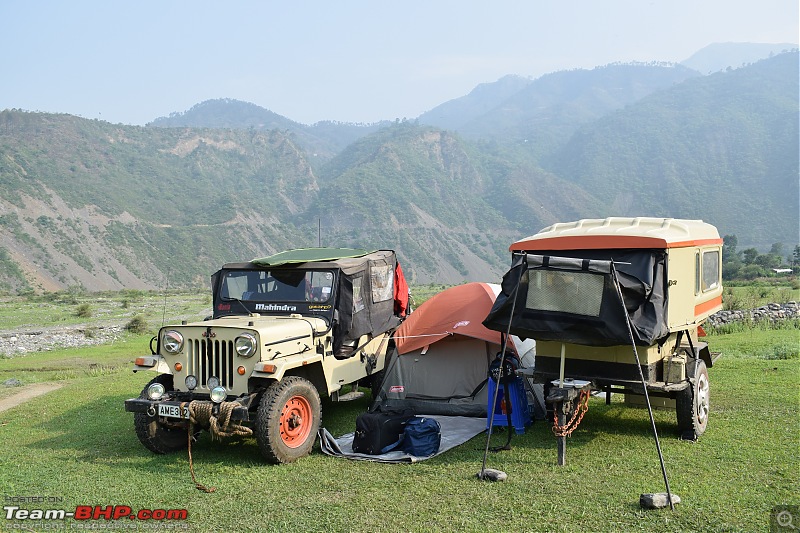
(101,206)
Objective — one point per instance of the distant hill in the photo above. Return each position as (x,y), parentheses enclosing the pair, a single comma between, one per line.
(226,113)
(454,114)
(103,206)
(322,140)
(721,56)
(84,202)
(723,148)
(547,111)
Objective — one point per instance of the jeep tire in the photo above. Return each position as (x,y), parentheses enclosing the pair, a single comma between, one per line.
(155,436)
(287,420)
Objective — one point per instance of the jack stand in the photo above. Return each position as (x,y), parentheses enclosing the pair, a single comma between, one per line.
(563,399)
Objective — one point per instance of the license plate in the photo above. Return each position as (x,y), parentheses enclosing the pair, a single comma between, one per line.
(173,411)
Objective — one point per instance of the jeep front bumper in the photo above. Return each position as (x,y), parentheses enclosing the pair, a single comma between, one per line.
(179,410)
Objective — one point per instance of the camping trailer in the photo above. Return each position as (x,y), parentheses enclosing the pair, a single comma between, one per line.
(597,294)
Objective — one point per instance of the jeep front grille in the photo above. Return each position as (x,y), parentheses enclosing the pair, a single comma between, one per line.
(208,358)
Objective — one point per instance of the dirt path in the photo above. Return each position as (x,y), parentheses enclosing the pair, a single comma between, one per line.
(26,393)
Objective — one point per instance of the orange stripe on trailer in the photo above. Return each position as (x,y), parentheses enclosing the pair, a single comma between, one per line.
(710,305)
(698,242)
(588,242)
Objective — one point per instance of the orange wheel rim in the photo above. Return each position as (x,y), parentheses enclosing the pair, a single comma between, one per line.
(296,421)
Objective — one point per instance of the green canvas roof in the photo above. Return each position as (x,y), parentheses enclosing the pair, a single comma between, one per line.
(306,255)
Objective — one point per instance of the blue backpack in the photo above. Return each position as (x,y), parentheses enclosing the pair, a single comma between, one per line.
(421,438)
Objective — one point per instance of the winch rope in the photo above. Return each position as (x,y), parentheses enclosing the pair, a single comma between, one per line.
(197,485)
(575,420)
(201,413)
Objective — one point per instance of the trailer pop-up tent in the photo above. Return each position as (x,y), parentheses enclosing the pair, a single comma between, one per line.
(442,354)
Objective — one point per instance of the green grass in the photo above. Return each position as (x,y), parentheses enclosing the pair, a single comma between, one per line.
(78,443)
(761,340)
(66,308)
(421,293)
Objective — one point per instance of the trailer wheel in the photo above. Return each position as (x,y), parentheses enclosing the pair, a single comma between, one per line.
(287,420)
(692,404)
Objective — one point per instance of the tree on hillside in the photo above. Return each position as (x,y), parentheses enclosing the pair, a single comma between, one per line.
(769,260)
(729,243)
(750,256)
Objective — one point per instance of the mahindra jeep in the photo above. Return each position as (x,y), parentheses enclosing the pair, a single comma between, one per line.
(285,329)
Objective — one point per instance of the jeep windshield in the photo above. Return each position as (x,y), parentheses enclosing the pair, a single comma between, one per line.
(277,286)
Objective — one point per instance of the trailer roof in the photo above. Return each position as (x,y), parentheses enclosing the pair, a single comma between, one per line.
(621,232)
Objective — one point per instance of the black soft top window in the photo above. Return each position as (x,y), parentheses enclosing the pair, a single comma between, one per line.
(277,285)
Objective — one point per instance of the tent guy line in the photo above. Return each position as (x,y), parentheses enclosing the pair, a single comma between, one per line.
(426,335)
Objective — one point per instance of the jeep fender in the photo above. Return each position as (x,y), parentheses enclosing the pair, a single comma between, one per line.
(310,369)
(151,362)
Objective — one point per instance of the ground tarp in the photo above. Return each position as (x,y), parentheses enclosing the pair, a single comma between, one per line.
(456,430)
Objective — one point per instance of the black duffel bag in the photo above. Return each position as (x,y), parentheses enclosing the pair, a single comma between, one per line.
(375,430)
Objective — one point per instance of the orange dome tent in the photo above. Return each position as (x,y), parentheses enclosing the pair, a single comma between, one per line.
(443,351)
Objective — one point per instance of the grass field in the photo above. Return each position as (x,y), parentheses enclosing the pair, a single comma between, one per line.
(63,309)
(77,446)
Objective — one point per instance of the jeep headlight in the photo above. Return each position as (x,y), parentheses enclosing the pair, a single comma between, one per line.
(246,344)
(172,341)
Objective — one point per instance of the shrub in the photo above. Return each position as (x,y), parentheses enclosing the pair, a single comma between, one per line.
(785,350)
(84,310)
(783,295)
(137,324)
(133,295)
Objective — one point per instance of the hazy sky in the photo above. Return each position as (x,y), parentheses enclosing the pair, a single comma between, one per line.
(353,61)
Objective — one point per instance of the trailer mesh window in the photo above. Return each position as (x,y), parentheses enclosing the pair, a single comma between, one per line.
(577,293)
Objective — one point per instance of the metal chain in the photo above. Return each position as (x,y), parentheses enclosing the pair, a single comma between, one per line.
(575,420)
